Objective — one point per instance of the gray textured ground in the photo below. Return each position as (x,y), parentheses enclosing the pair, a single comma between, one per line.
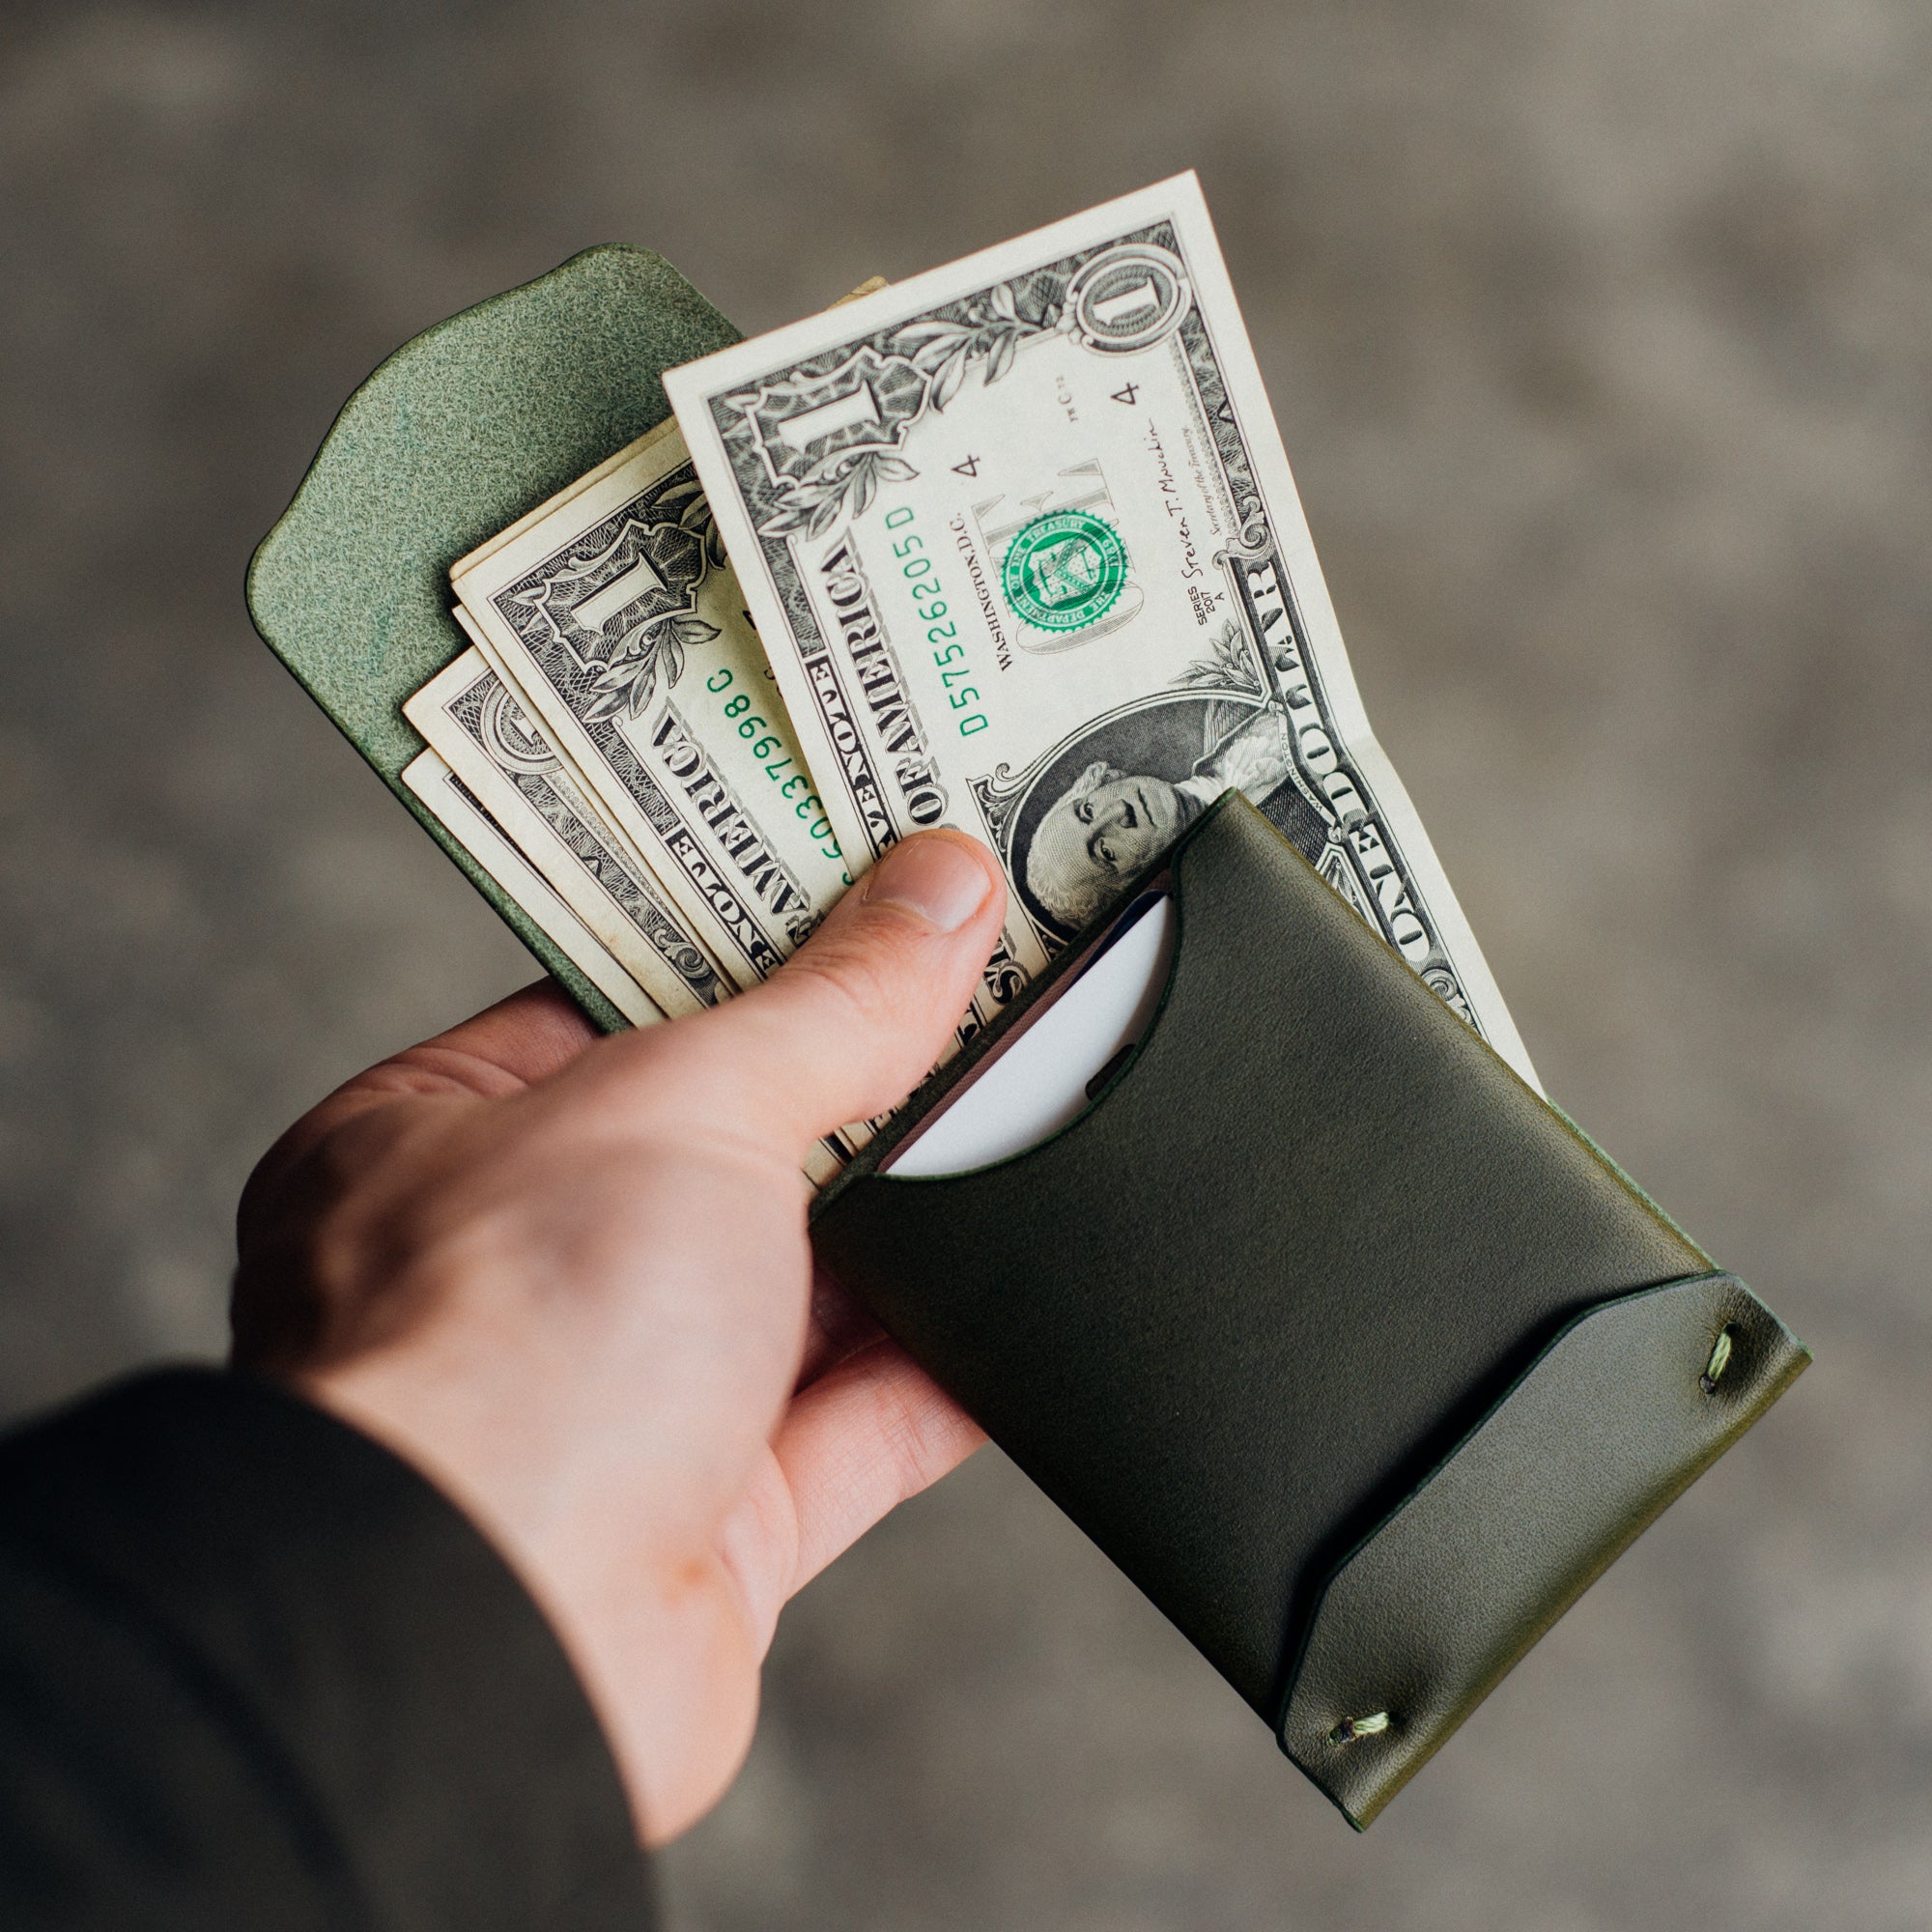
(1599,334)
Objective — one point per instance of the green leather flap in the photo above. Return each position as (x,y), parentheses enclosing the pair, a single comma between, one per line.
(455,436)
(1302,1242)
(1610,1424)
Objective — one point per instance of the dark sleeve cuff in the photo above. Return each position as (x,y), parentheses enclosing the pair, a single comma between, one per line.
(338,1623)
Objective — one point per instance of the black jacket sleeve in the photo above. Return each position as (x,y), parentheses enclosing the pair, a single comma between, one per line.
(256,1671)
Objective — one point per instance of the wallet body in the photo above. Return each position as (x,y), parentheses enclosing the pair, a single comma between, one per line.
(1353,1354)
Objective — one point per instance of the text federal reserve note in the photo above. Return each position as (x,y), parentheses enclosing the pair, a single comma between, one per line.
(1021,541)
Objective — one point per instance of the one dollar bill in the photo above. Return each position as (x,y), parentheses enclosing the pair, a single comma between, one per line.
(462,815)
(1022,543)
(613,613)
(475,723)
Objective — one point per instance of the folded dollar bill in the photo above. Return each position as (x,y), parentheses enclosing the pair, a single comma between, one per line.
(480,727)
(464,815)
(613,613)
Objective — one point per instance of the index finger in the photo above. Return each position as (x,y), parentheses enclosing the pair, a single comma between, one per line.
(534,1034)
(527,1038)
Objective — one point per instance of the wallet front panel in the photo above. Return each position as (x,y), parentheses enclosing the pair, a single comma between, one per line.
(1622,1412)
(1299,1246)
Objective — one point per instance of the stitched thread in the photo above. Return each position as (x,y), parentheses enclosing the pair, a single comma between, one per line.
(1720,1357)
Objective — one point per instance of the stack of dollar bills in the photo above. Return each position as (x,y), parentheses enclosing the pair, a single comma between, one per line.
(1011,546)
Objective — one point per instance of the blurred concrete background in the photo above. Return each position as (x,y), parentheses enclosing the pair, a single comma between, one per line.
(1600,336)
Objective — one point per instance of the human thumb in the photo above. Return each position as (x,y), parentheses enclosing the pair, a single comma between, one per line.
(849,1026)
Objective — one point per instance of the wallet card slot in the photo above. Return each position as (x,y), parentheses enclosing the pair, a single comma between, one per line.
(1043,1077)
(873,1163)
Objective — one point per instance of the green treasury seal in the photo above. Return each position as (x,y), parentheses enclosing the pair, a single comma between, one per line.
(1063,570)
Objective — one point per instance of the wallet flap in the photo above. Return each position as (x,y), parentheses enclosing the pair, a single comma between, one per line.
(1300,1244)
(456,434)
(1613,1421)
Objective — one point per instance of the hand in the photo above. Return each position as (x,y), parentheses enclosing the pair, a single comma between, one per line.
(568,1278)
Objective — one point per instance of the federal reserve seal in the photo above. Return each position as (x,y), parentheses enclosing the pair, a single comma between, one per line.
(1063,570)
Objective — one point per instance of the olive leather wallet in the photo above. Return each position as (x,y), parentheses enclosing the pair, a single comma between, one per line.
(1354,1354)
(1346,1346)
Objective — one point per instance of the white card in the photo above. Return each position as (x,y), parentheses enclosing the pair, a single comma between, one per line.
(1037,1082)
